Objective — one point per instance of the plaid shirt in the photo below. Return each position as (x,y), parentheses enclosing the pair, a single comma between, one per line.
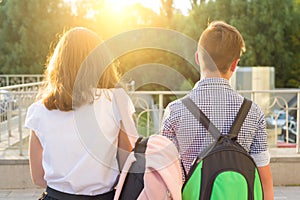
(220,103)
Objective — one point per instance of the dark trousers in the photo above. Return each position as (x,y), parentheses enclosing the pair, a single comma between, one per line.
(52,194)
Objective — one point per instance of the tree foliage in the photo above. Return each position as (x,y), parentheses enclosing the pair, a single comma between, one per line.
(271,29)
(26,32)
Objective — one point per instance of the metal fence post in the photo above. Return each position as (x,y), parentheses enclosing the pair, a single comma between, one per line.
(9,109)
(161,107)
(7,81)
(20,131)
(298,123)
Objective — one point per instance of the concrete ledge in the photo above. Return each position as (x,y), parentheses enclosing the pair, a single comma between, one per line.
(285,166)
(285,171)
(15,174)
(14,162)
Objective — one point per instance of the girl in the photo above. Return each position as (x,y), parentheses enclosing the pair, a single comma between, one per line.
(78,122)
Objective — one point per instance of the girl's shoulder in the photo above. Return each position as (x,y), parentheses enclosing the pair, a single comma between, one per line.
(37,108)
(37,105)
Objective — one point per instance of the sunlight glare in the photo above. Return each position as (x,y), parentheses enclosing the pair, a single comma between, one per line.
(73,5)
(118,5)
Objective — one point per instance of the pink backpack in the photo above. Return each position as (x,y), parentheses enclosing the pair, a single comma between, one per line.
(152,171)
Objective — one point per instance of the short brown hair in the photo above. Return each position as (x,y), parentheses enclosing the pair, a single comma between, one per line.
(223,43)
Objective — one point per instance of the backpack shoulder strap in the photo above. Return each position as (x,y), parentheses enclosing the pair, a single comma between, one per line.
(138,150)
(139,153)
(141,145)
(133,183)
(239,119)
(201,117)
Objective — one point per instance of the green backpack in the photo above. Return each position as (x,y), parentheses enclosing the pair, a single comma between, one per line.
(224,170)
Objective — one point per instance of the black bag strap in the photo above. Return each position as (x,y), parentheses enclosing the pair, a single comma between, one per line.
(141,145)
(201,117)
(139,153)
(212,129)
(134,180)
(139,150)
(241,116)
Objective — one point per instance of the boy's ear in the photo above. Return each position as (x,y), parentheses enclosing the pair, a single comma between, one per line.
(234,64)
(197,58)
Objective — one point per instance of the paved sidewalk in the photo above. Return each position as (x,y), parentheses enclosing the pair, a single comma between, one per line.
(20,194)
(290,193)
(281,193)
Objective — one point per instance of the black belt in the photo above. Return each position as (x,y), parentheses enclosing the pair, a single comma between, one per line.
(66,196)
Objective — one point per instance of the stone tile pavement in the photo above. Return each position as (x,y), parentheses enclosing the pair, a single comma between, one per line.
(281,193)
(287,193)
(20,194)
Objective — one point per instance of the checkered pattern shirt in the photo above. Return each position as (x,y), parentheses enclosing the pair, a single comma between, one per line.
(220,103)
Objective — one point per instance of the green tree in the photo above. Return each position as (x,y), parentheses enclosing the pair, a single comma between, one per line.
(294,77)
(270,29)
(268,37)
(26,32)
(167,8)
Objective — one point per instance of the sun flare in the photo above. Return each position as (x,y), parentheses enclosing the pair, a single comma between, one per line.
(117,6)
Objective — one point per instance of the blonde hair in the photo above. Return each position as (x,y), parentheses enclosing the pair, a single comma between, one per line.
(62,69)
(223,43)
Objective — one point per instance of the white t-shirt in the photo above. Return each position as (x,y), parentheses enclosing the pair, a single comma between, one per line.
(79,147)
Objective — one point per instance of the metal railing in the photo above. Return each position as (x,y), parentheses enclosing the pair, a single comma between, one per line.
(18,79)
(150,107)
(14,101)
